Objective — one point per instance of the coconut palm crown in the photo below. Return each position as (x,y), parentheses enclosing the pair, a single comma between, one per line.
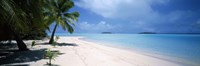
(58,12)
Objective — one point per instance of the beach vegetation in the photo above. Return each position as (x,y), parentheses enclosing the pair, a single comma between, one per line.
(58,12)
(33,44)
(48,37)
(57,38)
(55,42)
(50,55)
(29,19)
(21,18)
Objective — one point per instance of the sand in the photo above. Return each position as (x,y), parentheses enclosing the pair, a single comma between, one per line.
(77,52)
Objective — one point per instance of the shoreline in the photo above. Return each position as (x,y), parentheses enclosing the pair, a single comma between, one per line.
(77,52)
(149,53)
(127,50)
(144,52)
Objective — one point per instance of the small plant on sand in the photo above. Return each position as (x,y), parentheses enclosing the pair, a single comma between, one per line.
(54,44)
(33,44)
(56,39)
(51,56)
(48,37)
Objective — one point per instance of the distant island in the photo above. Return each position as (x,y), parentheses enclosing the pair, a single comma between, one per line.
(164,33)
(147,33)
(106,33)
(179,33)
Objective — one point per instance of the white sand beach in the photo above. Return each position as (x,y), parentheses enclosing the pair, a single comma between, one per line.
(77,52)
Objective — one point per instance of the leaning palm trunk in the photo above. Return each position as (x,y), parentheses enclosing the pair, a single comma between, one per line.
(21,45)
(19,16)
(58,12)
(52,36)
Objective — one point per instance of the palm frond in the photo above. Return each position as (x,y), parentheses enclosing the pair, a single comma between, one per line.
(69,27)
(14,16)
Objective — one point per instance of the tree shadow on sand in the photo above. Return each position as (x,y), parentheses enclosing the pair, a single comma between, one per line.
(9,54)
(24,56)
(66,44)
(7,49)
(18,65)
(8,45)
(60,44)
(50,65)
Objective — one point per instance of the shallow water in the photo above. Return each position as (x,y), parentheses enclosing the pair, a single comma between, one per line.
(185,46)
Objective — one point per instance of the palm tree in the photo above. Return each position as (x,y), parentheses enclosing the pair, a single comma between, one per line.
(57,12)
(18,15)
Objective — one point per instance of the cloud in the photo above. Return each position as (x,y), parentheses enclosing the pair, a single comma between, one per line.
(198,22)
(141,26)
(130,10)
(163,2)
(98,27)
(139,14)
(121,8)
(197,25)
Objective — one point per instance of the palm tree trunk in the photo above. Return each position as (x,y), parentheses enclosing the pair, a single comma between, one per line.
(52,35)
(21,45)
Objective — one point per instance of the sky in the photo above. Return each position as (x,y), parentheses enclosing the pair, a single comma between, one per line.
(135,16)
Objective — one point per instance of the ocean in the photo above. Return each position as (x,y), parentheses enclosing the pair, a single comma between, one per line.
(184,46)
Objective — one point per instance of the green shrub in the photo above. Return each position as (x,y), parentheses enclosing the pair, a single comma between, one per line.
(50,55)
(33,44)
(57,37)
(54,44)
